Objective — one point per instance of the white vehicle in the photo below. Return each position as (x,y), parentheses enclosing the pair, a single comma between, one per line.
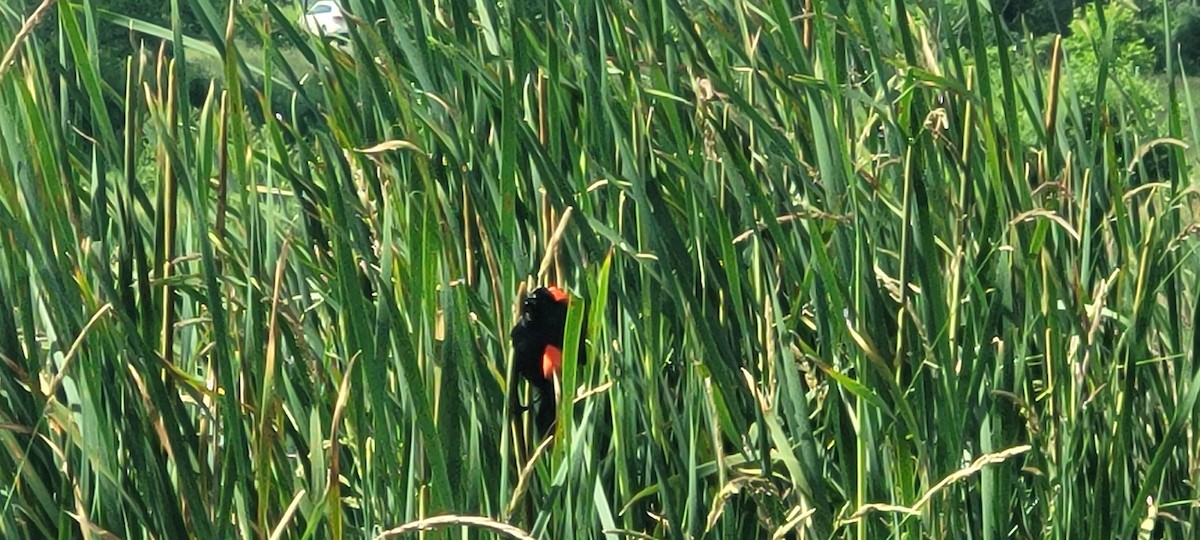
(324,17)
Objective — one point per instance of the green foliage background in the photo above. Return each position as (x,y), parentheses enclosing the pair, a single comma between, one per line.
(878,270)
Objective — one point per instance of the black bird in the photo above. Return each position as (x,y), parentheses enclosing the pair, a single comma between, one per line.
(537,341)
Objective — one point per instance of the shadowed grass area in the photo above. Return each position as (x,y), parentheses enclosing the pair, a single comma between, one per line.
(858,272)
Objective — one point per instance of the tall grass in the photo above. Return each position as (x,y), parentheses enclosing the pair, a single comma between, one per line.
(844,273)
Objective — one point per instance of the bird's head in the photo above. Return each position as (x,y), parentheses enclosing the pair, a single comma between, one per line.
(543,303)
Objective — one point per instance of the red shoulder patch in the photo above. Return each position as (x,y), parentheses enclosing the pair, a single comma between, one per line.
(558,294)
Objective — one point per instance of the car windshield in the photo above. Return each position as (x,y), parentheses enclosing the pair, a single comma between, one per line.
(320,9)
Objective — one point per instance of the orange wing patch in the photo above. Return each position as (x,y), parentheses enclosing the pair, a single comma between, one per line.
(551,361)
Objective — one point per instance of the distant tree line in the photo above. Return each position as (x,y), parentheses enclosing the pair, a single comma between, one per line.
(1047,17)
